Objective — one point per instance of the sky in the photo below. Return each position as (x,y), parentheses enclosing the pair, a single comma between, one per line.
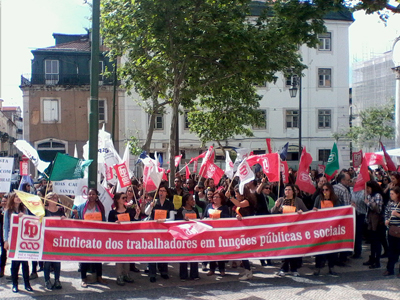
(30,24)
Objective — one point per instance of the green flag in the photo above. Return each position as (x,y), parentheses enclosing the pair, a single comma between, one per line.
(333,161)
(68,167)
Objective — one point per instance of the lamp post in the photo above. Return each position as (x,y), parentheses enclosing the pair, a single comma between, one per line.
(94,96)
(396,69)
(293,92)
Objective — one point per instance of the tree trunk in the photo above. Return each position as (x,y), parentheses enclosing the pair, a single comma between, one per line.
(222,148)
(149,137)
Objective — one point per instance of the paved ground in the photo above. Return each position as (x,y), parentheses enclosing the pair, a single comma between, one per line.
(355,281)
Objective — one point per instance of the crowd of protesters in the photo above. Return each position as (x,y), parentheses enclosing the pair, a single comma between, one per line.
(377,219)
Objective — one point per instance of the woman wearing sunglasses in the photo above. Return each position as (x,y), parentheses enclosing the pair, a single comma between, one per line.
(325,200)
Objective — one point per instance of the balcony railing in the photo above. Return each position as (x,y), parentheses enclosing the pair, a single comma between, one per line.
(62,79)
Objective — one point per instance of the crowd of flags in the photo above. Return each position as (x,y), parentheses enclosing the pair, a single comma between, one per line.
(116,170)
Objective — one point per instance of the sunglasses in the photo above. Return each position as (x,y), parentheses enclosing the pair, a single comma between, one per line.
(325,189)
(267,188)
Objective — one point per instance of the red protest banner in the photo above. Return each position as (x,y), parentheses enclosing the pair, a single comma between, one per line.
(273,236)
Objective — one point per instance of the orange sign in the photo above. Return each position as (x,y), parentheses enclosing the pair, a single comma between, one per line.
(288,209)
(214,213)
(95,216)
(326,204)
(191,216)
(160,214)
(238,211)
(124,217)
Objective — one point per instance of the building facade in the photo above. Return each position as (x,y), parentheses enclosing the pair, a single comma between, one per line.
(373,84)
(10,129)
(56,96)
(325,106)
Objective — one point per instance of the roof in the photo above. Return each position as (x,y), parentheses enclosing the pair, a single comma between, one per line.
(256,8)
(10,108)
(81,44)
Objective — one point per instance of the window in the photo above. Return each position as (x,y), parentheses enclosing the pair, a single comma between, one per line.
(324,41)
(263,124)
(159,122)
(323,154)
(50,111)
(289,81)
(324,118)
(324,78)
(292,119)
(102,111)
(186,121)
(51,69)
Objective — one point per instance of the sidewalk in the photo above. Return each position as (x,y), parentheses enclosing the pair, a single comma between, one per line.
(354,281)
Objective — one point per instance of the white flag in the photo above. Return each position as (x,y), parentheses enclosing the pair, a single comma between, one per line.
(242,153)
(245,174)
(228,166)
(76,152)
(154,172)
(32,154)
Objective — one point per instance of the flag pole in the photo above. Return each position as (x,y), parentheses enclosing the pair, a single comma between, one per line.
(229,187)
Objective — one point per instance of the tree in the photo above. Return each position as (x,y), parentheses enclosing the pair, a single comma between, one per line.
(195,54)
(376,123)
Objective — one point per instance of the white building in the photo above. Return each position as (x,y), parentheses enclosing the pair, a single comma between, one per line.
(325,106)
(373,84)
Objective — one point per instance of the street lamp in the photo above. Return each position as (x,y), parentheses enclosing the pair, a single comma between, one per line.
(396,69)
(293,92)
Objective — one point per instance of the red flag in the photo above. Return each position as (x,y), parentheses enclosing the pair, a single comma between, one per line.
(123,175)
(329,178)
(269,145)
(209,157)
(109,172)
(271,166)
(148,183)
(357,159)
(195,159)
(178,160)
(255,159)
(303,179)
(195,164)
(321,169)
(24,167)
(374,159)
(389,162)
(213,171)
(188,230)
(362,178)
(164,176)
(187,172)
(285,171)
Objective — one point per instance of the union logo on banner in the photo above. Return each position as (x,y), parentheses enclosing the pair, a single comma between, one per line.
(265,165)
(304,177)
(30,238)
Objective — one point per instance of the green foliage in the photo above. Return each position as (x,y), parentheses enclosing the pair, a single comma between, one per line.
(205,55)
(134,145)
(376,123)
